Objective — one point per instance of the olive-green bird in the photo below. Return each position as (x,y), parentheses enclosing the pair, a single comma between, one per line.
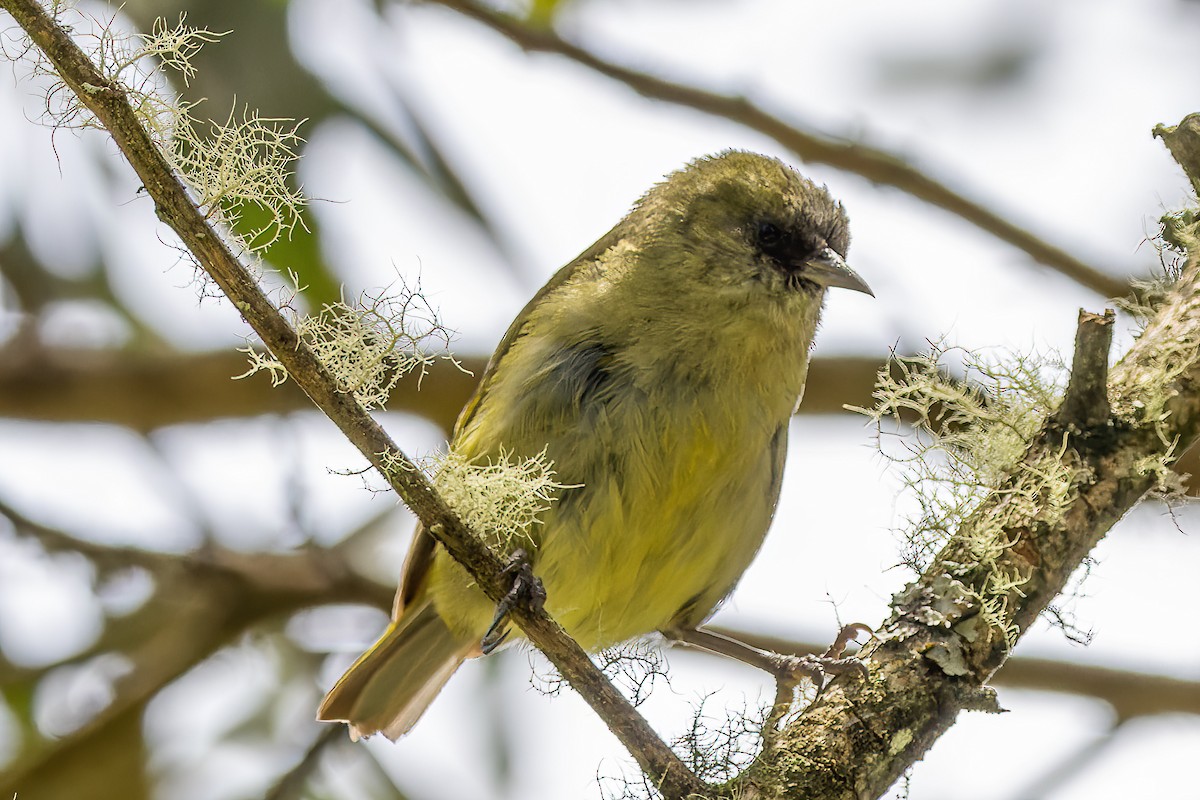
(658,371)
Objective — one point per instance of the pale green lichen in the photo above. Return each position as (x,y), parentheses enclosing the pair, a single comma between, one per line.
(367,346)
(960,438)
(963,441)
(1178,235)
(500,498)
(241,163)
(229,166)
(1169,486)
(1177,242)
(900,740)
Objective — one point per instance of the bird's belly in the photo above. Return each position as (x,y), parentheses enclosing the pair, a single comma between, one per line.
(656,541)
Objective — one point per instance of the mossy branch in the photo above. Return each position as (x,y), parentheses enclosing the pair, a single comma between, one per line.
(953,627)
(106,99)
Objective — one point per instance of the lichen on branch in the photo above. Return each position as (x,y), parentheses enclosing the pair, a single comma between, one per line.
(245,160)
(501,498)
(957,441)
(368,345)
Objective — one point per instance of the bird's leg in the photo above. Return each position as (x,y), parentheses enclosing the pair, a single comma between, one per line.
(788,670)
(526,590)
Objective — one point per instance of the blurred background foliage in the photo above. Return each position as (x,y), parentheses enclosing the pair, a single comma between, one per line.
(180,552)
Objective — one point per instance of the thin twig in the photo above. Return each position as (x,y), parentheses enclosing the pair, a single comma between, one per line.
(106,100)
(874,164)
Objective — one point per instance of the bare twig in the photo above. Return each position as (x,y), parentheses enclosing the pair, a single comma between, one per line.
(106,100)
(878,166)
(1086,402)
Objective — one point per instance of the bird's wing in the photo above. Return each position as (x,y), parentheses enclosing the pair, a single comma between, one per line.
(514,330)
(420,552)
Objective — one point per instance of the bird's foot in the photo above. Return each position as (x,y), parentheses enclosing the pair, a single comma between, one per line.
(526,590)
(790,670)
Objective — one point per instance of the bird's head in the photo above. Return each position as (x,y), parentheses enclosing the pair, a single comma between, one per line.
(745,223)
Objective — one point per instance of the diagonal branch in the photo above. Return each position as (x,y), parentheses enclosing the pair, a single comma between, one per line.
(955,625)
(106,100)
(876,165)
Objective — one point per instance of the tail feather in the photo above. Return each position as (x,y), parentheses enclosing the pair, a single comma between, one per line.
(389,687)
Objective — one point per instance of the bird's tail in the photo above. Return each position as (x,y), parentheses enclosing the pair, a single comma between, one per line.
(390,686)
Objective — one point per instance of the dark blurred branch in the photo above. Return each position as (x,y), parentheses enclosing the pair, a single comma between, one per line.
(148,391)
(199,614)
(877,166)
(34,287)
(111,766)
(202,601)
(287,582)
(1131,694)
(145,391)
(218,594)
(107,101)
(268,581)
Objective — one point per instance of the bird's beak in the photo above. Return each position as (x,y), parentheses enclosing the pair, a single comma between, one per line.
(830,270)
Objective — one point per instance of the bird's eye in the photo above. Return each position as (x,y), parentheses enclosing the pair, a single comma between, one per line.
(769,234)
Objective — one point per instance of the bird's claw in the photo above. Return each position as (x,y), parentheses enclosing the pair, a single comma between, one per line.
(847,634)
(526,589)
(790,670)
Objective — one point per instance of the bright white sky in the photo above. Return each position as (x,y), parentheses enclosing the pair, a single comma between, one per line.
(556,155)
